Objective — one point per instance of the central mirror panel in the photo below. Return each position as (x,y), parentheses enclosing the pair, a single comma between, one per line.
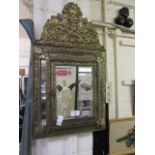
(74,92)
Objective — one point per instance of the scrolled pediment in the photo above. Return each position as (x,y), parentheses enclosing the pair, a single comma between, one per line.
(70,29)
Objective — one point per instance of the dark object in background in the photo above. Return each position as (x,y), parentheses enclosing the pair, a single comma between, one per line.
(28,26)
(101,138)
(21,119)
(120,20)
(21,111)
(124,12)
(123,19)
(128,22)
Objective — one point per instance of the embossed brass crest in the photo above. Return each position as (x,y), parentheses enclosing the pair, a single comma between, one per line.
(69,76)
(70,29)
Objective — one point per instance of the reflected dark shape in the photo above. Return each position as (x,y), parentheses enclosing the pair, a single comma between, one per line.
(75,84)
(86,86)
(85,103)
(59,87)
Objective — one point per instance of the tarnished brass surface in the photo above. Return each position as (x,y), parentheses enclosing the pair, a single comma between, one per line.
(70,40)
(70,29)
(72,58)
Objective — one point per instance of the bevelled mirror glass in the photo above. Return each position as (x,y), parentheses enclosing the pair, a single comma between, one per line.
(69,76)
(74,92)
(85,91)
(43,93)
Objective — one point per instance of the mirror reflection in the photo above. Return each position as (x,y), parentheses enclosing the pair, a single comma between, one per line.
(74,93)
(85,93)
(43,94)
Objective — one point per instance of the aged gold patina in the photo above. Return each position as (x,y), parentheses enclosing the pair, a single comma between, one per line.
(70,29)
(68,39)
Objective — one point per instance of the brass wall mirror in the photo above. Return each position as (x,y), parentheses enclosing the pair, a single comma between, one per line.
(69,76)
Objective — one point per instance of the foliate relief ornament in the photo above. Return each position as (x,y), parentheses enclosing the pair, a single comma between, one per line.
(37,50)
(99,60)
(69,28)
(101,122)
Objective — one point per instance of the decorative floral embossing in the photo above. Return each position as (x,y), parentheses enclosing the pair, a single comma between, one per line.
(101,122)
(69,28)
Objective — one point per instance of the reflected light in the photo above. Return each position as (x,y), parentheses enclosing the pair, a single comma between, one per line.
(85,69)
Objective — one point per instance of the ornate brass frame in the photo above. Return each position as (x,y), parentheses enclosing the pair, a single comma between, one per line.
(60,46)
